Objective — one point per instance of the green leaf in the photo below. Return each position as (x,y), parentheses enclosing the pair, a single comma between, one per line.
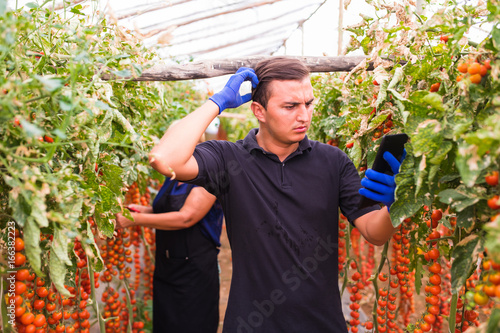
(137,69)
(470,164)
(31,233)
(355,153)
(421,174)
(57,271)
(441,154)
(418,276)
(407,203)
(31,5)
(428,138)
(461,197)
(106,198)
(20,208)
(38,211)
(60,246)
(65,106)
(30,129)
(106,227)
(101,105)
(494,321)
(434,100)
(123,73)
(112,176)
(492,230)
(96,261)
(495,37)
(464,255)
(50,84)
(465,218)
(74,10)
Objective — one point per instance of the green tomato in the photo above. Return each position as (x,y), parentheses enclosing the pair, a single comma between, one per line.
(470,296)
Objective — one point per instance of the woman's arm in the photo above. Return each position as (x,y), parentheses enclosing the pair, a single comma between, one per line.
(197,205)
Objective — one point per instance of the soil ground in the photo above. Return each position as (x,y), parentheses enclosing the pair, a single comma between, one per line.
(226,268)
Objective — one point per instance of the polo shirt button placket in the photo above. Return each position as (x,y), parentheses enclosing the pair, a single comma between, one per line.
(283,175)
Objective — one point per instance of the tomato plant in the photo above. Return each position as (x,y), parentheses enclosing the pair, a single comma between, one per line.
(441,89)
(71,146)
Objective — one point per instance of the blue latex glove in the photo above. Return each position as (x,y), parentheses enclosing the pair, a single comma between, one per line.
(229,96)
(379,186)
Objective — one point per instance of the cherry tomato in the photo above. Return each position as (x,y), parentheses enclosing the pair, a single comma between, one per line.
(39,304)
(430,318)
(481,298)
(20,287)
(436,215)
(435,279)
(22,274)
(42,292)
(494,278)
(39,320)
(435,268)
(493,202)
(434,309)
(435,87)
(435,290)
(434,254)
(19,259)
(18,244)
(27,318)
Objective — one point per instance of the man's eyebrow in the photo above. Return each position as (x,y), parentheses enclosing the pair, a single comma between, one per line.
(297,103)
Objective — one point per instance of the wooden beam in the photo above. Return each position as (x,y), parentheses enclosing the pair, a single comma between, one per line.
(213,68)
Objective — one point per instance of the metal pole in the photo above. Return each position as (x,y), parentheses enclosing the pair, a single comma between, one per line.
(341,31)
(419,8)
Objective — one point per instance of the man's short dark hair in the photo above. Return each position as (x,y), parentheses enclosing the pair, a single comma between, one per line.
(276,68)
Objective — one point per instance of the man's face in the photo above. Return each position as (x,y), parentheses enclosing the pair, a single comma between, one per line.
(289,110)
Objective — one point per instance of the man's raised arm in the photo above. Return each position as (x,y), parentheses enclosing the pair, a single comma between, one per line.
(174,152)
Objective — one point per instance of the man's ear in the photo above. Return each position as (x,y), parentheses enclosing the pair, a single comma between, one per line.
(259,111)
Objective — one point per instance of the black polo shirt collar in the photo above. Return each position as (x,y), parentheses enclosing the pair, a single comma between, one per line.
(250,144)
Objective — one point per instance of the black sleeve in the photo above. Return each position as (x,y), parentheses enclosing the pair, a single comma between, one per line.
(350,199)
(212,173)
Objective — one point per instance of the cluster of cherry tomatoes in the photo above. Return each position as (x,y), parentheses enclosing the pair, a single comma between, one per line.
(473,70)
(128,274)
(40,308)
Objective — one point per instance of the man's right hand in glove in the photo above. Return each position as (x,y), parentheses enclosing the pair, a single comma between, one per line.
(229,96)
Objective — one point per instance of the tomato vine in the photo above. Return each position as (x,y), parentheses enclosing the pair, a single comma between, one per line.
(426,78)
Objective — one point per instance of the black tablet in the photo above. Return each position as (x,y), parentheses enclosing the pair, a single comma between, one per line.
(394,144)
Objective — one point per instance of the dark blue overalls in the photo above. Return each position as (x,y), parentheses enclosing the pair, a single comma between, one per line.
(186,277)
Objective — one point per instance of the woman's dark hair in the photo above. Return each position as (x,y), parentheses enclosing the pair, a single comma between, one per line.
(276,68)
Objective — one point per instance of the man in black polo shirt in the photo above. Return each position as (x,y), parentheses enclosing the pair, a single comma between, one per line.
(281,194)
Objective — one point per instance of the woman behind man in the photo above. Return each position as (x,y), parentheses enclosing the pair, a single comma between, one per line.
(188,223)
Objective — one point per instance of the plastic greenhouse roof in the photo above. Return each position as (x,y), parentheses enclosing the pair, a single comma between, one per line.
(186,30)
(210,29)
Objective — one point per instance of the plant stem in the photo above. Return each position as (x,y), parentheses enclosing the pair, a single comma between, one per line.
(95,303)
(383,258)
(453,313)
(129,306)
(146,245)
